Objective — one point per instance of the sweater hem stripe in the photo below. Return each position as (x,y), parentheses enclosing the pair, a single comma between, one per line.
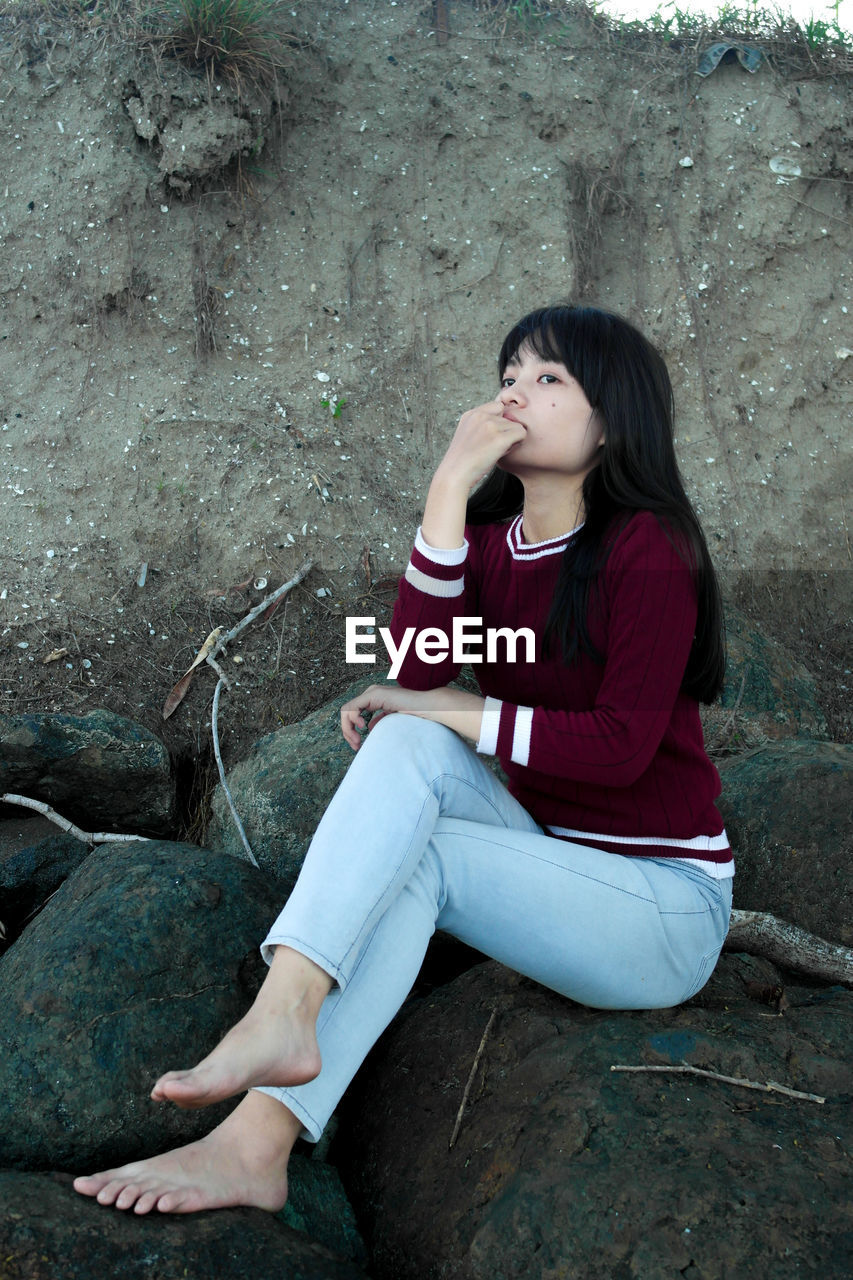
(718,860)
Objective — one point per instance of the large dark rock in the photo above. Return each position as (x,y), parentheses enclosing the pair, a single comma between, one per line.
(139,963)
(565,1168)
(788,809)
(317,1205)
(100,770)
(774,692)
(35,857)
(48,1231)
(282,789)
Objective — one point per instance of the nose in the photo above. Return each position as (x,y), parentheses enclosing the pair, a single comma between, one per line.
(511,395)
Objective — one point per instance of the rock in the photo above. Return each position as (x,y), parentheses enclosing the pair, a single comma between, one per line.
(565,1168)
(141,961)
(35,858)
(282,789)
(317,1205)
(779,695)
(788,810)
(47,1230)
(198,133)
(99,770)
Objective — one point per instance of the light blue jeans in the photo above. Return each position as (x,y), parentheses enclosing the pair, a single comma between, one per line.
(421,835)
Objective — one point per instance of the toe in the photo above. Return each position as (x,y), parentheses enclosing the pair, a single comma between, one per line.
(88,1184)
(128,1196)
(170,1201)
(110,1192)
(147,1201)
(169,1078)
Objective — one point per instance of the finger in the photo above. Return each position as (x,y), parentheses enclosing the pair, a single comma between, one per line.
(351,735)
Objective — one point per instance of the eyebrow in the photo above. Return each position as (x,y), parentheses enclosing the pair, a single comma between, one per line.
(556,364)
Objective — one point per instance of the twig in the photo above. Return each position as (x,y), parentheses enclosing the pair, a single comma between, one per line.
(214,728)
(88,837)
(770,1087)
(211,662)
(721,736)
(477,1056)
(223,640)
(261,608)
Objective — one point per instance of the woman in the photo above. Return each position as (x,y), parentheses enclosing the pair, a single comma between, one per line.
(603,870)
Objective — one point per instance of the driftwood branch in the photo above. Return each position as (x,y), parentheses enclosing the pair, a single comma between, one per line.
(477,1056)
(770,1087)
(760,934)
(87,837)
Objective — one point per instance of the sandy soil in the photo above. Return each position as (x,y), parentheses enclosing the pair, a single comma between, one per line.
(216,373)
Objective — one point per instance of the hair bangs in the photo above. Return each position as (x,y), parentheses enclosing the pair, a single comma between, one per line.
(571,336)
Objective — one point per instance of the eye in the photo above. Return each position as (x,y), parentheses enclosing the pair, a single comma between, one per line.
(548,378)
(507,382)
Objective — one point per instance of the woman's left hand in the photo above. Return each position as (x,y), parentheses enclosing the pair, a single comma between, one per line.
(455,708)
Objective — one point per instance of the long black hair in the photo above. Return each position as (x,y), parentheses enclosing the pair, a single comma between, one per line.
(627,384)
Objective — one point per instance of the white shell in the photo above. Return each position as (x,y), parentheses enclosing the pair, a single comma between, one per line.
(785,166)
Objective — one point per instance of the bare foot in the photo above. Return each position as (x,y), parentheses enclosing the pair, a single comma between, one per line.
(274,1044)
(242,1162)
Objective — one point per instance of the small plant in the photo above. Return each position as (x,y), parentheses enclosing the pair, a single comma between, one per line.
(243,40)
(336,406)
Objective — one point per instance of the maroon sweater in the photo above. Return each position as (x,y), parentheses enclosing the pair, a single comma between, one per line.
(609,755)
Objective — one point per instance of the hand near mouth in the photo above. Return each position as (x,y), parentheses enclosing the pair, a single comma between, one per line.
(483,436)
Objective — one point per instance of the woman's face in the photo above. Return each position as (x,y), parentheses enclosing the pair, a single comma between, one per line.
(563,432)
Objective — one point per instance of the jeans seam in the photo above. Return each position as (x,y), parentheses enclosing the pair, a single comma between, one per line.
(473,786)
(388,883)
(573,871)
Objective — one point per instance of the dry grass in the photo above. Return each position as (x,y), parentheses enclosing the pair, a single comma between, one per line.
(245,41)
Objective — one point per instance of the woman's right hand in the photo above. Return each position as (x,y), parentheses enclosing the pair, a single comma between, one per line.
(482,437)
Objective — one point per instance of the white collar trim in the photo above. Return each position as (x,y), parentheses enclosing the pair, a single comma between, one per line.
(520,550)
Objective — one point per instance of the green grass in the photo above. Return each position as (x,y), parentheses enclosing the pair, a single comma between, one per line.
(750,19)
(675,23)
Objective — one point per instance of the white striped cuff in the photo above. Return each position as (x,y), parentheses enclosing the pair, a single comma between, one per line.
(441,555)
(521,735)
(488,743)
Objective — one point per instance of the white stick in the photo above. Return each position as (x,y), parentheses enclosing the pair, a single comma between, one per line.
(770,1087)
(88,837)
(210,658)
(214,727)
